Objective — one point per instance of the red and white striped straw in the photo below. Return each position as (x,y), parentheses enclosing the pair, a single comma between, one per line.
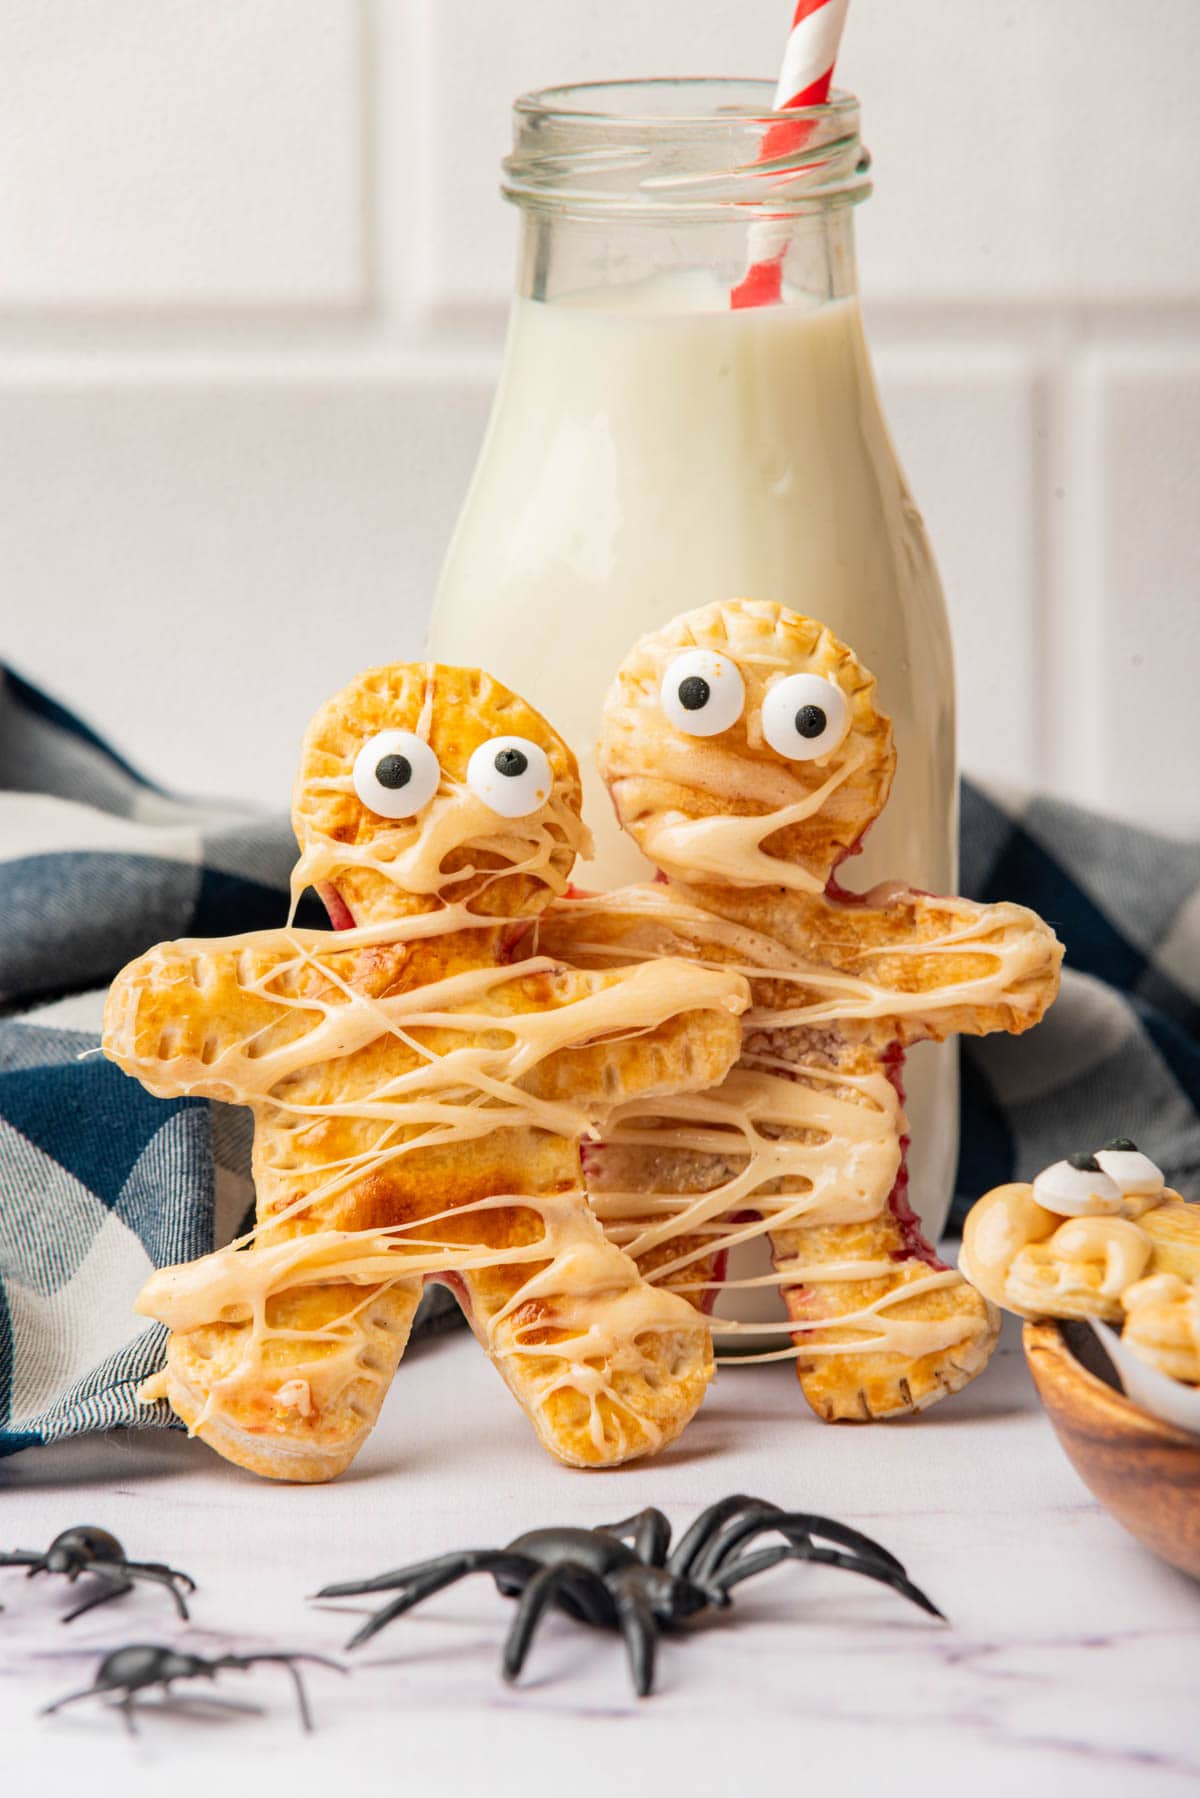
(804,80)
(811,52)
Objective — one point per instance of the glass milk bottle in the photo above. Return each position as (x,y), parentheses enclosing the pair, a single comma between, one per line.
(652,449)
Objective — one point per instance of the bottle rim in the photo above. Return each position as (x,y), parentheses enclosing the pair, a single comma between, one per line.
(692,146)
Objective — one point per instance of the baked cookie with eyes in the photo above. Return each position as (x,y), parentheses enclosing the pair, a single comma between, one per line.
(747,755)
(1097,1235)
(420,1080)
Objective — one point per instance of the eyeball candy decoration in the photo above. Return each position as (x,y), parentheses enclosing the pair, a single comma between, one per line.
(1134,1173)
(804,717)
(1077,1187)
(396,774)
(702,693)
(511,775)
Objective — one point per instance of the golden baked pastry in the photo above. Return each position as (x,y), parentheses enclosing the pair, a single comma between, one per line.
(419,1082)
(1162,1325)
(747,755)
(1096,1236)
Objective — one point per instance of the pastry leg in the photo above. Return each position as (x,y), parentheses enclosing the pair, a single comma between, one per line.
(606,1367)
(847,1284)
(293,1393)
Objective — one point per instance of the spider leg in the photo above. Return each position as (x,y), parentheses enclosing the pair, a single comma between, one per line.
(289,1661)
(161,1567)
(651,1534)
(474,1561)
(112,1586)
(160,1576)
(306,1722)
(399,1576)
(641,1636)
(48,1710)
(796,1526)
(21,1557)
(127,1706)
(759,1562)
(703,1528)
(532,1605)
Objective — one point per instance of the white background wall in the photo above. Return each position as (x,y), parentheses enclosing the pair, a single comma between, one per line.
(253,269)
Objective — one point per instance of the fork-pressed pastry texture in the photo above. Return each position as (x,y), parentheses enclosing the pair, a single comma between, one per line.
(420,1080)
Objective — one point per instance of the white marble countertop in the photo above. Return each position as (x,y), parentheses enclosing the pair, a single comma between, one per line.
(1068,1665)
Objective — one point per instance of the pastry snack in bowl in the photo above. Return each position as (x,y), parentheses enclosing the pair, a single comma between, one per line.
(1102,1237)
(420,1079)
(747,755)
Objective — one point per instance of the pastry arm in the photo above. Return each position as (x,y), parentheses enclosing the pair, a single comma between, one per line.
(951,966)
(184,1017)
(646,1031)
(961,968)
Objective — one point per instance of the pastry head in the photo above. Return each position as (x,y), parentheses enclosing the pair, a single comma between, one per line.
(421,786)
(742,746)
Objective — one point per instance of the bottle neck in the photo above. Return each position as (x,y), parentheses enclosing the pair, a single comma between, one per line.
(625,188)
(566,260)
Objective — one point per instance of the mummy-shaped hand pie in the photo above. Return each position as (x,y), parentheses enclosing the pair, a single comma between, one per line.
(419,1082)
(1096,1236)
(746,754)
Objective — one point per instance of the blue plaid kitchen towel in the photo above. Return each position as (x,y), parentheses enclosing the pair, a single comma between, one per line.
(100,1182)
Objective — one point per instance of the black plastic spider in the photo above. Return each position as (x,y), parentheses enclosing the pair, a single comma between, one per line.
(88,1549)
(598,1578)
(129,1670)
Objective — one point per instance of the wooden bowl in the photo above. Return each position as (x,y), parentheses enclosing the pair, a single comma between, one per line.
(1146,1473)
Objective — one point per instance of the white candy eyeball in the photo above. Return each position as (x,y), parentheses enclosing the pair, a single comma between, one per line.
(702,693)
(1077,1187)
(1132,1172)
(804,716)
(511,775)
(396,774)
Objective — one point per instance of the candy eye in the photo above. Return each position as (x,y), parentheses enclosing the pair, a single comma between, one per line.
(1134,1173)
(396,773)
(702,693)
(511,775)
(1077,1187)
(804,717)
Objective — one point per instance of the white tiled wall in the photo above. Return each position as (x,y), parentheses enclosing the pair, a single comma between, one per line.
(253,268)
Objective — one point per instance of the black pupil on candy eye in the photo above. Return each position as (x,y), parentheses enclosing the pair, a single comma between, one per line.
(694,692)
(393,771)
(810,721)
(1122,1142)
(1085,1164)
(511,762)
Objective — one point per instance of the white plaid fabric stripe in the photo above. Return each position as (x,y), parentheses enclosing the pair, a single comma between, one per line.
(99,1182)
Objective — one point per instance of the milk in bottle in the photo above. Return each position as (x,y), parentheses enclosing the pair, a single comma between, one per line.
(651,450)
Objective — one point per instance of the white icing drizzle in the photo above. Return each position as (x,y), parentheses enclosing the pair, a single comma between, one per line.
(791,1141)
(408,855)
(581,1317)
(728,845)
(601,1312)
